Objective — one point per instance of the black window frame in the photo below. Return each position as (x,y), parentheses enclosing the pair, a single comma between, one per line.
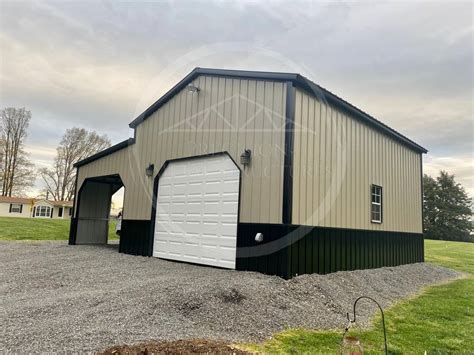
(373,203)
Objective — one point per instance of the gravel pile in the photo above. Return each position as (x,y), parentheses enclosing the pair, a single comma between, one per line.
(84,298)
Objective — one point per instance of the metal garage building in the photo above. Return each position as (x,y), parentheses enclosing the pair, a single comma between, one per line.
(257,171)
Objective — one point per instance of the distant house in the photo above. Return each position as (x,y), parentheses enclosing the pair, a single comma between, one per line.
(34,208)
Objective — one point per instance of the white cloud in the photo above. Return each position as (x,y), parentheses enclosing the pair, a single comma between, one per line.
(42,156)
(408,64)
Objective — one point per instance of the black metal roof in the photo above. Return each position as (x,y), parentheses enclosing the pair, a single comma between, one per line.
(298,80)
(103,153)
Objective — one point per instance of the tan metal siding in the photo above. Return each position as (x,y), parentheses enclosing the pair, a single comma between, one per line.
(119,162)
(226,115)
(337,158)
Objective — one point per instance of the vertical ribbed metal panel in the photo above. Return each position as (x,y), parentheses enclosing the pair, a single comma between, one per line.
(93,223)
(337,158)
(116,163)
(324,250)
(226,115)
(134,238)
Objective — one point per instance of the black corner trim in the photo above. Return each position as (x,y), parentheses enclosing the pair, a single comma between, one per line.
(288,160)
(422,196)
(110,150)
(73,226)
(154,198)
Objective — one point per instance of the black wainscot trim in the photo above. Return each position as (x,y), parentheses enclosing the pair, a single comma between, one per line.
(73,231)
(135,237)
(324,250)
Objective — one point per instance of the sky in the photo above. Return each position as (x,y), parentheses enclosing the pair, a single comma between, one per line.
(98,65)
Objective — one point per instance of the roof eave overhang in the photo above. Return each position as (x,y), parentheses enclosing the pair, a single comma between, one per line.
(119,146)
(299,81)
(254,75)
(334,100)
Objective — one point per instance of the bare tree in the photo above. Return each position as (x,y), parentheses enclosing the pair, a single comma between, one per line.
(76,144)
(16,170)
(2,154)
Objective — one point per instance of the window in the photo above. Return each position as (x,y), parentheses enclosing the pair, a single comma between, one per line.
(16,207)
(60,212)
(376,205)
(42,211)
(70,211)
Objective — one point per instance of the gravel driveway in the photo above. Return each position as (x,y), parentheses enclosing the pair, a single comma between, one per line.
(82,298)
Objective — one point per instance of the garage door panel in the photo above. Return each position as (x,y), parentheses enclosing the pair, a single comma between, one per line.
(197,211)
(216,253)
(221,188)
(211,208)
(193,207)
(230,198)
(209,228)
(175,238)
(228,228)
(228,220)
(165,189)
(193,213)
(176,227)
(227,243)
(174,208)
(190,239)
(231,184)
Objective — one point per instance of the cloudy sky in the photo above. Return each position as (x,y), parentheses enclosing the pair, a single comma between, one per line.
(99,64)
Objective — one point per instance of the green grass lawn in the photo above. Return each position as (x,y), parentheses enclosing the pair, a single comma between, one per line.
(12,228)
(440,320)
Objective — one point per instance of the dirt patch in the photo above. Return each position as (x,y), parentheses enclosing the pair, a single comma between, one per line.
(231,296)
(192,346)
(189,306)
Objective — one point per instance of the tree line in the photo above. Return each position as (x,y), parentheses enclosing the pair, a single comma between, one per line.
(447,209)
(18,173)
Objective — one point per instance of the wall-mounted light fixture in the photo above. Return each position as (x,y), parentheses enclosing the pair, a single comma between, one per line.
(149,170)
(192,89)
(245,157)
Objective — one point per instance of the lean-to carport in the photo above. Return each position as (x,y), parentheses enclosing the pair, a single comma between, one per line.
(93,209)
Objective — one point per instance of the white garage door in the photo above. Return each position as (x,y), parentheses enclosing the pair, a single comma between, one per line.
(196,211)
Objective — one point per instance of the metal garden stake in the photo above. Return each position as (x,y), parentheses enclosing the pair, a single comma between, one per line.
(354,343)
